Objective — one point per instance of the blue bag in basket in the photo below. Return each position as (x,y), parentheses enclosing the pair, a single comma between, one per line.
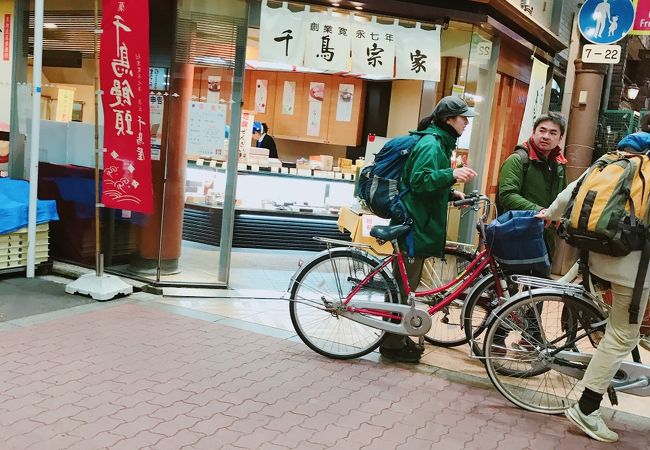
(517,241)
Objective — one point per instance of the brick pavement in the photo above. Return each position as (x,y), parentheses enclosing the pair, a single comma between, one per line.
(132,376)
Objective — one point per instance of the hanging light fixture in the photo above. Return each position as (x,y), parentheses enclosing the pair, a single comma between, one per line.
(632,91)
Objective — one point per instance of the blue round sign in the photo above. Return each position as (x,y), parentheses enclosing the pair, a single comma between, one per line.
(605,21)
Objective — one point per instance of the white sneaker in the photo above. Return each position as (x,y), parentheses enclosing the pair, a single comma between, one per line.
(593,424)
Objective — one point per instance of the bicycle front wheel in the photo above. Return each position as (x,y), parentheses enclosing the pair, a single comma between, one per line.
(317,294)
(519,343)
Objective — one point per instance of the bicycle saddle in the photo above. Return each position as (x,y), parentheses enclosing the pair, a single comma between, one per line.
(389,232)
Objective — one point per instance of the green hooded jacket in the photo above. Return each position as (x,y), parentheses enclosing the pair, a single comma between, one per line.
(543,182)
(429,177)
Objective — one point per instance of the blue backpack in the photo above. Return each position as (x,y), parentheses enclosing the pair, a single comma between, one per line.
(379,182)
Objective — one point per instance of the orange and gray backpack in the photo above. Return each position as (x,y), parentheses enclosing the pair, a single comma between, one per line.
(609,213)
(609,209)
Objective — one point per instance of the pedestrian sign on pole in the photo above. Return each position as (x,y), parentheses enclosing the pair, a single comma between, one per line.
(605,21)
(601,54)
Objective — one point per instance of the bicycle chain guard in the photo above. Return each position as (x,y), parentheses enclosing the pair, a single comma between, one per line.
(415,322)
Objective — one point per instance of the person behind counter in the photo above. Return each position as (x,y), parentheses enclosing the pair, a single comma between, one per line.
(264,140)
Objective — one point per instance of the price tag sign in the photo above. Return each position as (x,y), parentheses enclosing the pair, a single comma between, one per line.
(601,54)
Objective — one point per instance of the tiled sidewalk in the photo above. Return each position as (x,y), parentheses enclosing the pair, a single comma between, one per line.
(135,376)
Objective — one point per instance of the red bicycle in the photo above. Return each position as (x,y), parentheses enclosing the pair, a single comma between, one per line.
(345,300)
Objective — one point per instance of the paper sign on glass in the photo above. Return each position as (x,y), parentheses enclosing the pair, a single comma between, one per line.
(206,129)
(64,103)
(156,107)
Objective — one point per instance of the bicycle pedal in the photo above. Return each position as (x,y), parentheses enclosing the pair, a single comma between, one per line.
(611,393)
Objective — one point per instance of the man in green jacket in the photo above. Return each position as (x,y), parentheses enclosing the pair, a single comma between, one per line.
(533,176)
(429,178)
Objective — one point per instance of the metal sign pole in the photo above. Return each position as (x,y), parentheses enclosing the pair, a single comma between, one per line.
(35,137)
(99,257)
(98,285)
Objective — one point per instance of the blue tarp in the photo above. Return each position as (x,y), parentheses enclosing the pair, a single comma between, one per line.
(14,206)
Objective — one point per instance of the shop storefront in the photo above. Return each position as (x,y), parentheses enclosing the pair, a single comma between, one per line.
(212,79)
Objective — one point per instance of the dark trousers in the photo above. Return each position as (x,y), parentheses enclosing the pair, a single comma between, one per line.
(414,273)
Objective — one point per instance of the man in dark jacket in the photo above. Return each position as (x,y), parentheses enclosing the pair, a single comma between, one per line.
(429,177)
(534,174)
(530,179)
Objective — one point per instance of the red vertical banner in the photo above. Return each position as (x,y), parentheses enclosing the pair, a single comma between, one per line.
(124,80)
(6,37)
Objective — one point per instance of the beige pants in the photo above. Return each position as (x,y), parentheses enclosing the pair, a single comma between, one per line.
(620,338)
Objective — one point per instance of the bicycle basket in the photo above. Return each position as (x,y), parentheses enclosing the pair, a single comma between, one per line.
(516,239)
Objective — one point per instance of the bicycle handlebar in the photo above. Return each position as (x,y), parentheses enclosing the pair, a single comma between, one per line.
(465,201)
(472,199)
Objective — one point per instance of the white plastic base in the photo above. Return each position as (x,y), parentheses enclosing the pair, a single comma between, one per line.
(101,288)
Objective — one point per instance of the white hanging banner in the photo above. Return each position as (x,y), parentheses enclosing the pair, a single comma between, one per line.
(418,54)
(328,42)
(535,99)
(373,48)
(282,35)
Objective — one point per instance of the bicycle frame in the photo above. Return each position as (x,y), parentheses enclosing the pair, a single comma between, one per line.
(464,280)
(473,271)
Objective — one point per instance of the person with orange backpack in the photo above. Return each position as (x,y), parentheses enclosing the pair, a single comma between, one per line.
(605,213)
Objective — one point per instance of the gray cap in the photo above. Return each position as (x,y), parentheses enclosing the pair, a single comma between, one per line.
(452,106)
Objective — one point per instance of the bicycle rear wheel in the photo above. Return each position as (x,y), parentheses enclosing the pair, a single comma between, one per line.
(446,328)
(317,294)
(520,364)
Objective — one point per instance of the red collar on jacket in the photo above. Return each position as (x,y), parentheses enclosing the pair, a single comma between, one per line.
(534,153)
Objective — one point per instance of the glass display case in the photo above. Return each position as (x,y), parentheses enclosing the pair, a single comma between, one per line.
(287,193)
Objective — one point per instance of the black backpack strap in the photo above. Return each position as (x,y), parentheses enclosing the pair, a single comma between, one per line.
(639,283)
(521,151)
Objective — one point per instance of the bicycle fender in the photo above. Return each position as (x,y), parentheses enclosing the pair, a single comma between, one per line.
(576,295)
(473,289)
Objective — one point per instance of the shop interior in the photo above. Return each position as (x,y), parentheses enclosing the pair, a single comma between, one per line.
(280,202)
